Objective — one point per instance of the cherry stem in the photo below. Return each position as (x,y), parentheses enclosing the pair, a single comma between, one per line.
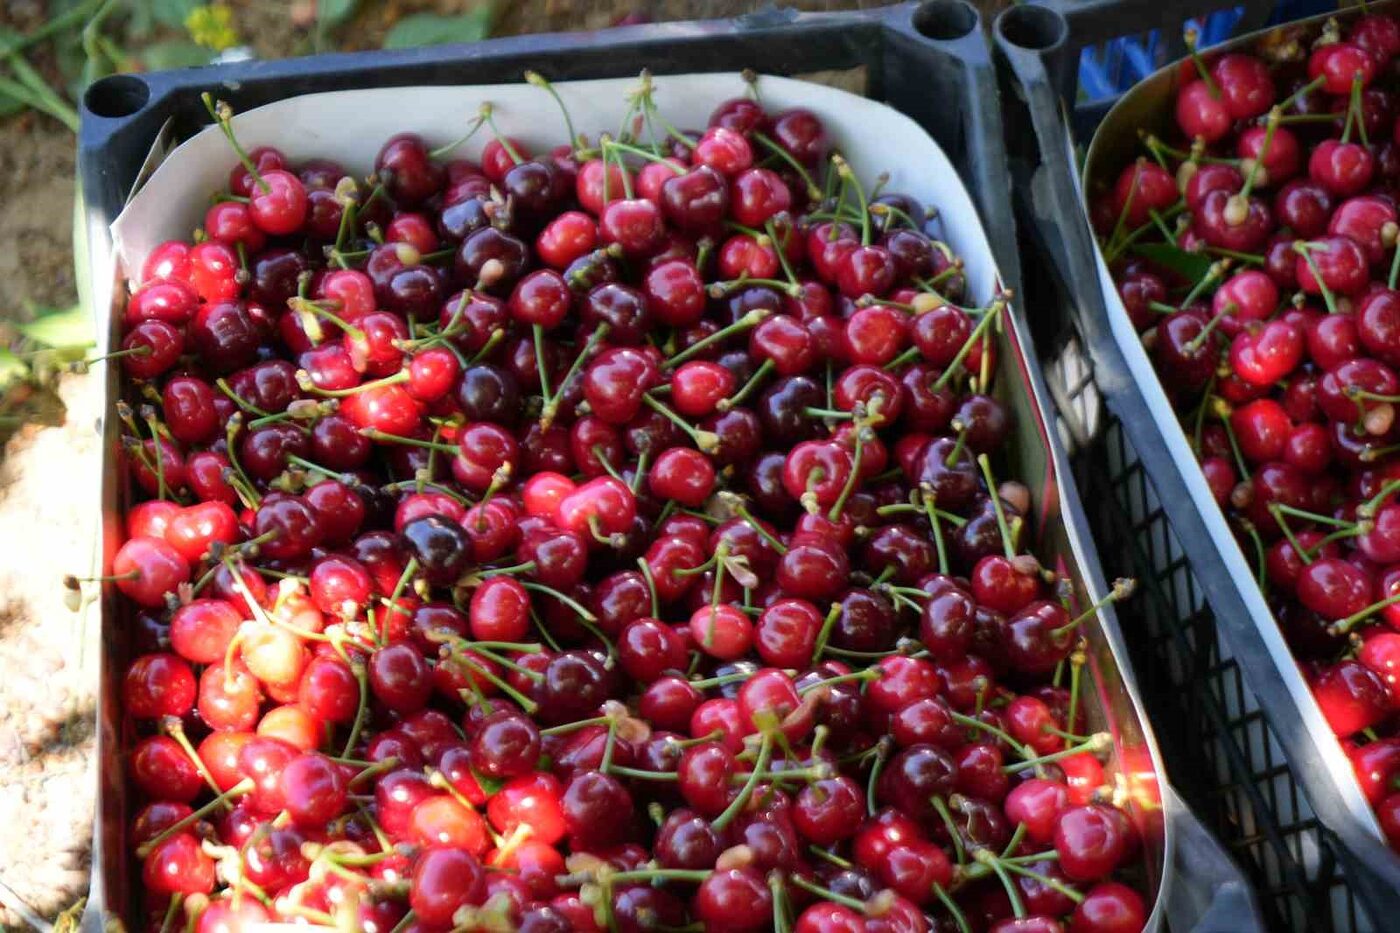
(661,874)
(940,807)
(171,910)
(1194,344)
(527,704)
(492,342)
(1368,508)
(551,407)
(537,331)
(1122,588)
(706,441)
(357,667)
(609,143)
(972,722)
(569,727)
(867,674)
(223,115)
(1305,250)
(764,368)
(1288,533)
(371,771)
(848,177)
(222,385)
(828,623)
(720,289)
(569,601)
(487,114)
(992,313)
(651,586)
(1356,618)
(499,480)
(1008,539)
(1013,894)
(640,774)
(443,150)
(751,319)
(311,388)
(720,680)
(1052,883)
(813,192)
(778,893)
(1076,667)
(237,790)
(762,532)
(385,437)
(507,663)
(1302,92)
(835,414)
(852,478)
(951,906)
(1270,126)
(1189,36)
(877,766)
(309,311)
(1095,744)
(824,893)
(765,754)
(1240,463)
(172,727)
(539,81)
(780,248)
(1122,220)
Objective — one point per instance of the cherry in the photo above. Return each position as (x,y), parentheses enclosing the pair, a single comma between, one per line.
(178,865)
(160,767)
(1109,907)
(647,649)
(506,746)
(1334,588)
(1142,188)
(443,881)
(1200,113)
(146,569)
(1352,697)
(828,810)
(1344,169)
(912,869)
(735,899)
(1339,64)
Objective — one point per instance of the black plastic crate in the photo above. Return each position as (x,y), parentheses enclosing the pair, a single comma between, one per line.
(1232,736)
(928,60)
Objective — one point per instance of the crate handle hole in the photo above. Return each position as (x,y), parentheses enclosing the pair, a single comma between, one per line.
(1032,27)
(117,96)
(945,20)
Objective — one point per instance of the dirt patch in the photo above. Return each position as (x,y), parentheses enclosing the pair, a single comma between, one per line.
(36,214)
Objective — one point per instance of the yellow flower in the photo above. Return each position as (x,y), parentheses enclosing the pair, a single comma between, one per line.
(212,26)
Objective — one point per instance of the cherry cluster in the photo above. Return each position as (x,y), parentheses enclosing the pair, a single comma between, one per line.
(599,539)
(1258,257)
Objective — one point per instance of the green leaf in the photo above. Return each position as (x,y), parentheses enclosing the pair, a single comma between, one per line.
(431,29)
(172,12)
(66,327)
(10,104)
(12,368)
(1192,266)
(174,53)
(331,13)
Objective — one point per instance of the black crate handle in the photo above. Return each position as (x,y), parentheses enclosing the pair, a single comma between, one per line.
(1060,223)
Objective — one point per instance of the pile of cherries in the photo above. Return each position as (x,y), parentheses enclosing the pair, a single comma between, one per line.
(1258,256)
(598,539)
